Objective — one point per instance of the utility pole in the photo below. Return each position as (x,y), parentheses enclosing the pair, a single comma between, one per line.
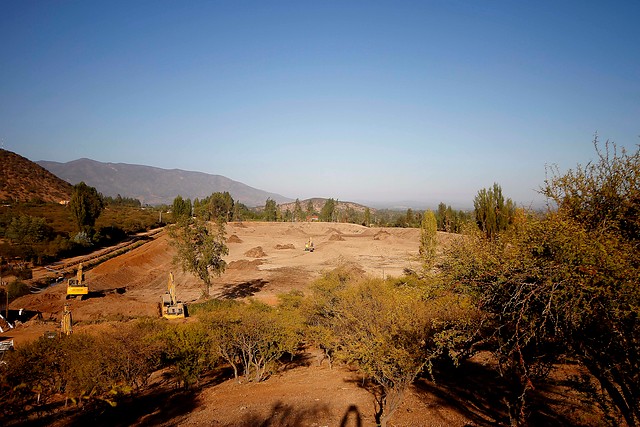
(6,292)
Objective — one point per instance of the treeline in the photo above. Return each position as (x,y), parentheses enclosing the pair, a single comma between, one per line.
(449,219)
(219,206)
(39,233)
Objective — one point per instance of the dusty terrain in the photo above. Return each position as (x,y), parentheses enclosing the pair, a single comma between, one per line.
(266,259)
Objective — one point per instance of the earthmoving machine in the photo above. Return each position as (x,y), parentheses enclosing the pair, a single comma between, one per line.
(66,322)
(309,245)
(171,308)
(76,287)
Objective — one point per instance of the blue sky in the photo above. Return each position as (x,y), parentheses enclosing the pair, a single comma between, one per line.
(365,101)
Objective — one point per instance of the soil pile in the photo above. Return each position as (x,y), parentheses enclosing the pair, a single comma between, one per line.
(381,235)
(256,252)
(287,246)
(234,239)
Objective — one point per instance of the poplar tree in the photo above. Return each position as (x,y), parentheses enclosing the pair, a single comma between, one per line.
(86,205)
(428,238)
(493,213)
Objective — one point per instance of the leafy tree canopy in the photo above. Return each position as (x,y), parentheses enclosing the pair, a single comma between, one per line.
(86,205)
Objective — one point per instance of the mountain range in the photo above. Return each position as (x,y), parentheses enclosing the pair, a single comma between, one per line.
(155,186)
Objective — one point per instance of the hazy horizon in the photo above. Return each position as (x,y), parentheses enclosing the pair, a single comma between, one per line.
(381,102)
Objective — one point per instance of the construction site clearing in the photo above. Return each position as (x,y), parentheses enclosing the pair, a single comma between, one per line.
(265,259)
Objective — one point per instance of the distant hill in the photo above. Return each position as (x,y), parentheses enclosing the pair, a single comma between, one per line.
(23,180)
(318,203)
(153,185)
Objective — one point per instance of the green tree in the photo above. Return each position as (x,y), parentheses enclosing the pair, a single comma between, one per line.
(25,229)
(326,214)
(252,336)
(428,239)
(187,351)
(85,205)
(270,210)
(367,217)
(392,333)
(287,216)
(200,247)
(565,285)
(493,213)
(220,206)
(410,219)
(181,209)
(310,210)
(298,213)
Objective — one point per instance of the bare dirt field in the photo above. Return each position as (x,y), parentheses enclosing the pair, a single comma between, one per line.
(265,259)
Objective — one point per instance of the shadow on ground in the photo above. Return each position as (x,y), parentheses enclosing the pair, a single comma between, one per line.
(242,290)
(286,415)
(476,391)
(163,404)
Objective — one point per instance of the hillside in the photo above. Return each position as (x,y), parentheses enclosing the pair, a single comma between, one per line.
(23,180)
(153,185)
(318,203)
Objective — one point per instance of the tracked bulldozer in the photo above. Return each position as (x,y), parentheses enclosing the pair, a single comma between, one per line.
(76,287)
(170,307)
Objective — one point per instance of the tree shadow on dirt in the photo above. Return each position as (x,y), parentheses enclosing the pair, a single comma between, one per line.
(144,410)
(242,290)
(477,392)
(300,359)
(283,414)
(163,404)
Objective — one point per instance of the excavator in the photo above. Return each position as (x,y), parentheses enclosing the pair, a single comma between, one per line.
(309,245)
(171,308)
(76,287)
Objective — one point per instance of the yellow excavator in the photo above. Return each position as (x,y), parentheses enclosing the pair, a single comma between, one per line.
(309,245)
(171,308)
(76,287)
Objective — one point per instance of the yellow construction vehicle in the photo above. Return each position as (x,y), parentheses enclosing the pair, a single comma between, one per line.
(76,287)
(309,245)
(66,322)
(171,308)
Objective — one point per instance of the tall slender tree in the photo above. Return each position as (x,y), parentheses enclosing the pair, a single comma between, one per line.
(493,213)
(86,205)
(428,238)
(270,210)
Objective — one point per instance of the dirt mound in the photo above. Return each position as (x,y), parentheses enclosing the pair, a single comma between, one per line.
(381,235)
(332,230)
(244,265)
(336,238)
(234,239)
(287,246)
(294,231)
(256,252)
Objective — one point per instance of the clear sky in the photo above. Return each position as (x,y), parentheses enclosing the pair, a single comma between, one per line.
(371,101)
